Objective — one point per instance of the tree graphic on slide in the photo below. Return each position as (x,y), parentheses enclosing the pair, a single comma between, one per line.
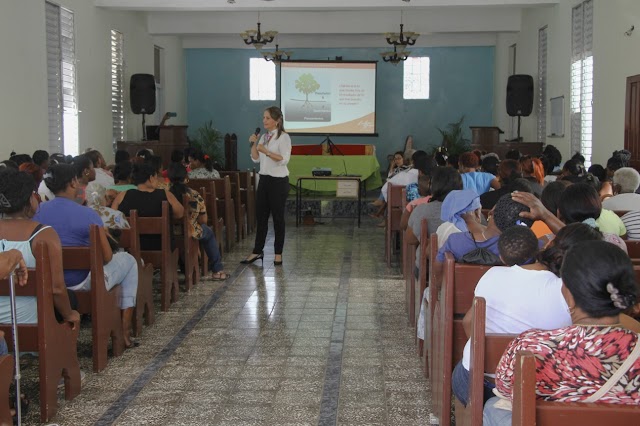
(307,84)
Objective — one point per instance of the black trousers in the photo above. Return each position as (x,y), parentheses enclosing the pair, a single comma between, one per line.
(270,200)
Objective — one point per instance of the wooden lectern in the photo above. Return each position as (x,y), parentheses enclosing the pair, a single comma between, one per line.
(170,138)
(485,138)
(488,139)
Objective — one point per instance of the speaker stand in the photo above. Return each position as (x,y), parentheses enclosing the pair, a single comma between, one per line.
(519,121)
(144,128)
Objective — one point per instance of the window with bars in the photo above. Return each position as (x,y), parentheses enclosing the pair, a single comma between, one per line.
(262,80)
(542,84)
(117,85)
(582,80)
(61,80)
(416,78)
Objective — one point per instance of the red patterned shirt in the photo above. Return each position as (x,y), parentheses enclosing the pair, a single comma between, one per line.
(574,362)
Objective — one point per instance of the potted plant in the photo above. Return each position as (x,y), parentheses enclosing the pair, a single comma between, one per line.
(453,141)
(209,140)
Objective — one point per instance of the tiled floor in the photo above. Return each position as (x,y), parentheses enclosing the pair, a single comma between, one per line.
(321,340)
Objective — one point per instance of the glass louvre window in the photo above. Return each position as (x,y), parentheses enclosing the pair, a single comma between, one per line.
(416,78)
(117,85)
(542,85)
(61,80)
(262,80)
(582,80)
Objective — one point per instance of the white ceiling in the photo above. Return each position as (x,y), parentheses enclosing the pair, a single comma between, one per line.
(330,23)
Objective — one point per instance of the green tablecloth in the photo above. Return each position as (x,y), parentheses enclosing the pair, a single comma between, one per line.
(365,165)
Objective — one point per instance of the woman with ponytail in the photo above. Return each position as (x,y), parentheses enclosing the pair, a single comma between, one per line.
(201,165)
(272,151)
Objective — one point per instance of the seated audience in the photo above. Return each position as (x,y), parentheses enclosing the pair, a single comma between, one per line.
(86,173)
(396,164)
(424,165)
(533,171)
(419,160)
(443,181)
(424,196)
(513,154)
(103,177)
(199,229)
(489,163)
(480,182)
(626,181)
(41,159)
(581,203)
(122,180)
(461,212)
(201,166)
(508,172)
(552,160)
(72,222)
(572,171)
(631,221)
(122,155)
(504,215)
(20,158)
(147,200)
(19,232)
(598,284)
(524,294)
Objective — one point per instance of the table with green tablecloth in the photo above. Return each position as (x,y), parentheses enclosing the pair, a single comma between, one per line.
(366,166)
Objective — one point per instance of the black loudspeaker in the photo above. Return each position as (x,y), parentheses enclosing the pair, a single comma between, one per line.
(142,93)
(519,95)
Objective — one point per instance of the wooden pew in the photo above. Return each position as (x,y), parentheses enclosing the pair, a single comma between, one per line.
(530,411)
(102,305)
(394,214)
(6,379)
(486,351)
(216,221)
(55,343)
(240,207)
(145,311)
(189,247)
(434,290)
(166,259)
(621,213)
(421,283)
(247,191)
(448,336)
(404,247)
(408,263)
(225,206)
(633,248)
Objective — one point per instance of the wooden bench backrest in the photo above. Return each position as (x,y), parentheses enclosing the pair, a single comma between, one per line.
(633,248)
(166,258)
(100,303)
(448,336)
(621,213)
(394,216)
(529,411)
(486,351)
(130,241)
(55,343)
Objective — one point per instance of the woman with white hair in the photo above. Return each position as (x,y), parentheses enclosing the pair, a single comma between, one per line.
(626,181)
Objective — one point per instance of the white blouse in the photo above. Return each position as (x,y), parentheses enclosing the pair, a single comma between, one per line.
(277,145)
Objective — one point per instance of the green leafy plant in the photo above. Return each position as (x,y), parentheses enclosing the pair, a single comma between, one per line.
(209,140)
(453,140)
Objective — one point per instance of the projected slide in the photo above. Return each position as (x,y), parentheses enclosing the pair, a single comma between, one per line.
(328,97)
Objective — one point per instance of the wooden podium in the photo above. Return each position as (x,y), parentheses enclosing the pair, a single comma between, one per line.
(170,138)
(488,139)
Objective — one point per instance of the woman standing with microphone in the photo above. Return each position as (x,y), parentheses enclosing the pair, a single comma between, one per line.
(272,151)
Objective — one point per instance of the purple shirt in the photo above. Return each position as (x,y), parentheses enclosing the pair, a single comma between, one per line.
(71,221)
(462,243)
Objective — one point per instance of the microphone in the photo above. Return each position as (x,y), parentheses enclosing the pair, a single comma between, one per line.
(257,132)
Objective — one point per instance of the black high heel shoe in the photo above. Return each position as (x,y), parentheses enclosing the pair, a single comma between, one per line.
(278,262)
(249,261)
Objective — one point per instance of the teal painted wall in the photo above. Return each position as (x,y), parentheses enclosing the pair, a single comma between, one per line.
(462,80)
